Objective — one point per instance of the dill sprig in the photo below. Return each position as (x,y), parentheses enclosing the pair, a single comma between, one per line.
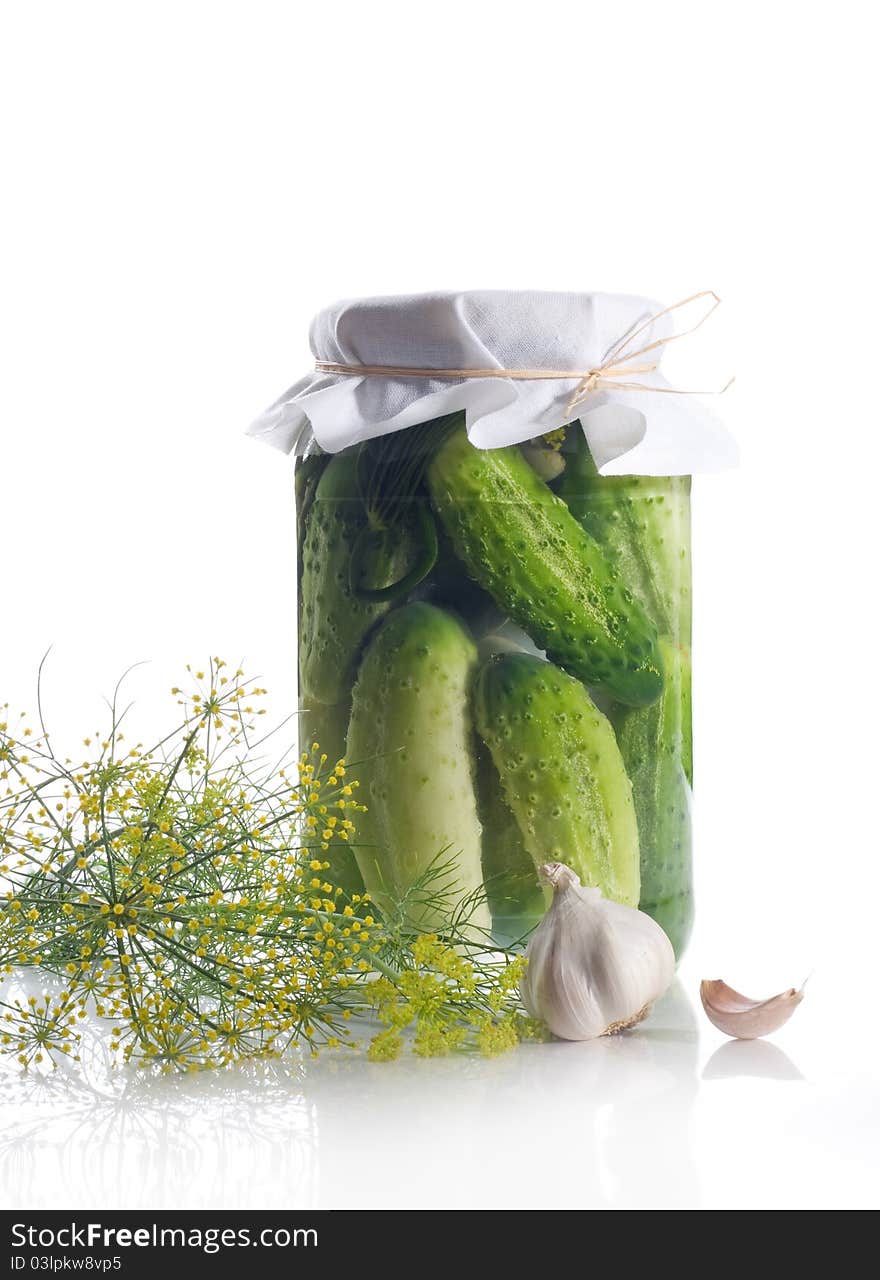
(181,894)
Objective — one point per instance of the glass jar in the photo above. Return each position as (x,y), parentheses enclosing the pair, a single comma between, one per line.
(498,643)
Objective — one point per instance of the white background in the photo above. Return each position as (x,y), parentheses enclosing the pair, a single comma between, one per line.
(184,184)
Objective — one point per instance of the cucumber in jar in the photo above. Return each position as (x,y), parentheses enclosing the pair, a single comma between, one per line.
(516,900)
(336,614)
(561,771)
(687,714)
(643,525)
(410,744)
(333,622)
(651,744)
(520,542)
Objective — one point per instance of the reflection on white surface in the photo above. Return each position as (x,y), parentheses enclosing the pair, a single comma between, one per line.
(626,1122)
(550,1124)
(761,1059)
(201,1142)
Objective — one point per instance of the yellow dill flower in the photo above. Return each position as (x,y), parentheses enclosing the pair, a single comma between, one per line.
(555,439)
(236,913)
(385,1047)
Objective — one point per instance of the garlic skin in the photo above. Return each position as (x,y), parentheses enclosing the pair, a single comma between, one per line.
(594,966)
(744,1019)
(547,463)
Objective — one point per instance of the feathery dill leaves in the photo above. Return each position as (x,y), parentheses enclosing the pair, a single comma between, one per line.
(180,893)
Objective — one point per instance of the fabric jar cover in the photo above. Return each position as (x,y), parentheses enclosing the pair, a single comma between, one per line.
(635,431)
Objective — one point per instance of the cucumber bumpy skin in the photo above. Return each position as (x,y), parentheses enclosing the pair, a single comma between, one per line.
(522,544)
(687,714)
(516,900)
(334,620)
(410,744)
(306,476)
(561,771)
(326,725)
(650,740)
(644,525)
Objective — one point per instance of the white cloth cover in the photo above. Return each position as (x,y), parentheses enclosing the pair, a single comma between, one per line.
(629,431)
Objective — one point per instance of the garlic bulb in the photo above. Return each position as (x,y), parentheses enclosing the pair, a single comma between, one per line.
(594,966)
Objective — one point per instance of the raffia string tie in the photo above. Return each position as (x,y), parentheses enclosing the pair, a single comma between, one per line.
(619,370)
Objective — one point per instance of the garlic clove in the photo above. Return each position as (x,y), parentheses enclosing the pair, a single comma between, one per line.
(744,1019)
(548,463)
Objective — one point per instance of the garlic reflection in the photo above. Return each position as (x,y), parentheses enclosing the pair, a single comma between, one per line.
(594,966)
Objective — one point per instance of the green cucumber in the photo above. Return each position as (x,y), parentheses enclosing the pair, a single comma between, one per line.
(650,740)
(643,523)
(561,771)
(326,725)
(305,480)
(520,542)
(343,872)
(306,476)
(334,618)
(410,744)
(516,899)
(687,715)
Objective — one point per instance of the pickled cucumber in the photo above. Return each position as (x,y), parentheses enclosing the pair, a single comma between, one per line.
(643,524)
(650,740)
(561,771)
(516,899)
(334,618)
(410,742)
(520,542)
(687,714)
